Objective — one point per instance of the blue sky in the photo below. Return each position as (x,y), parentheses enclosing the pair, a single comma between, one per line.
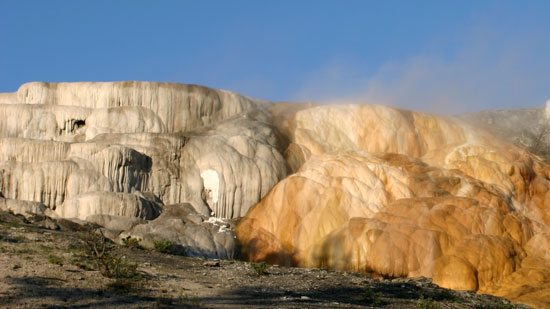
(443,56)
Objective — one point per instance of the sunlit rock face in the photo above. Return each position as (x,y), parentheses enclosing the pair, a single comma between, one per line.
(179,107)
(398,193)
(129,149)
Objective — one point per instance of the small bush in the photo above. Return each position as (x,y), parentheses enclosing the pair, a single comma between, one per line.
(425,303)
(260,268)
(100,252)
(45,249)
(162,246)
(13,224)
(372,298)
(55,260)
(82,265)
(116,267)
(131,243)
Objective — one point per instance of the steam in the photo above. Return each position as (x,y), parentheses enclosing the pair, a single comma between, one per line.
(491,70)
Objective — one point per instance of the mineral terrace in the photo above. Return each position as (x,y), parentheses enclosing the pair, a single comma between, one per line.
(372,189)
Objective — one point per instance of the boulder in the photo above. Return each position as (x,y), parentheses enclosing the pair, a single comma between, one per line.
(187,232)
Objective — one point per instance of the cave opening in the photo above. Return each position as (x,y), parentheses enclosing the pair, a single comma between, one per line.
(77,124)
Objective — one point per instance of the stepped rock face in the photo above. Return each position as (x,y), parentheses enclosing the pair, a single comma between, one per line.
(130,149)
(180,108)
(404,194)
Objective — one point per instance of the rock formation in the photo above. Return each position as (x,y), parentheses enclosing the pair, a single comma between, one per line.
(370,188)
(190,233)
(126,151)
(529,128)
(404,194)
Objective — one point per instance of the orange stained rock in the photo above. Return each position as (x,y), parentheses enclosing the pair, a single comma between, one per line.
(398,193)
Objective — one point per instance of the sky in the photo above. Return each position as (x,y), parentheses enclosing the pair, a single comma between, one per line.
(440,56)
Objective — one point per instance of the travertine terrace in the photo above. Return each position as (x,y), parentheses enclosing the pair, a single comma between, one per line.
(404,194)
(364,188)
(112,152)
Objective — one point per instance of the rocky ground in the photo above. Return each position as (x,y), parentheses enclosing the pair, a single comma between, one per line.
(48,263)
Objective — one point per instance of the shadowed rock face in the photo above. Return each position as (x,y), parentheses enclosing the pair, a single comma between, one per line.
(529,128)
(405,194)
(129,149)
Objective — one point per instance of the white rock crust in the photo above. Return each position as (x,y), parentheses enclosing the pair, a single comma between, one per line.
(100,151)
(180,107)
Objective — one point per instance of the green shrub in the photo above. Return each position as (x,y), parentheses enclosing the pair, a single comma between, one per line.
(372,298)
(162,246)
(55,260)
(131,243)
(425,303)
(13,224)
(260,268)
(82,265)
(104,256)
(45,249)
